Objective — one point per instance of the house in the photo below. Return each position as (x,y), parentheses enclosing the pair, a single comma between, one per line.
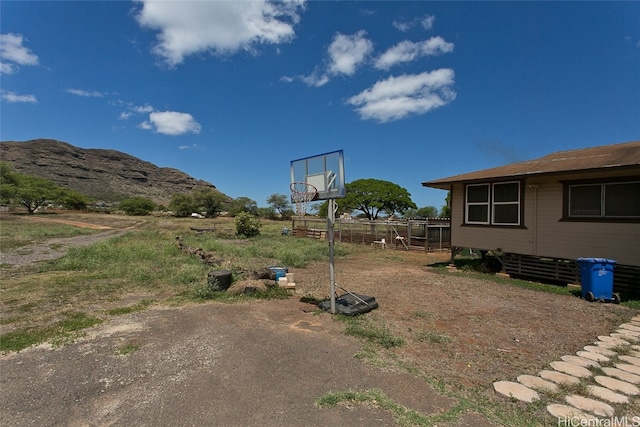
(540,215)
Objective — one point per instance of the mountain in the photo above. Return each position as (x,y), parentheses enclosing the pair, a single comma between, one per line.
(107,175)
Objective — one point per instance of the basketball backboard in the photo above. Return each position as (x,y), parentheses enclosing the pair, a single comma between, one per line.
(324,171)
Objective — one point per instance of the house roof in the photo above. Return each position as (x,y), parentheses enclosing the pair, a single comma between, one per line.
(606,156)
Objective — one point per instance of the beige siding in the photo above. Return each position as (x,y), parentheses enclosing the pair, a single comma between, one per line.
(544,234)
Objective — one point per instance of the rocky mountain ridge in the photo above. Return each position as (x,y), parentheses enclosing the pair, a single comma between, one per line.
(101,174)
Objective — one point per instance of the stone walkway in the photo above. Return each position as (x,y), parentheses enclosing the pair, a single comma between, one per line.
(598,382)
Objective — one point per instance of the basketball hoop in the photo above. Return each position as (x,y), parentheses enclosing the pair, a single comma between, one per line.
(301,194)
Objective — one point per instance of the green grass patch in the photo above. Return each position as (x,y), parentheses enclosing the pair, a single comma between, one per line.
(374,332)
(18,232)
(425,335)
(140,306)
(127,349)
(62,331)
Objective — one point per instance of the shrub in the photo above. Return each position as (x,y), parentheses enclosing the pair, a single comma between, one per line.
(247,224)
(137,206)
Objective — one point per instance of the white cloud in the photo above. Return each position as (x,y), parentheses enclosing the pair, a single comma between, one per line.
(402,26)
(406,51)
(189,147)
(398,97)
(13,53)
(142,109)
(346,53)
(86,93)
(222,27)
(426,22)
(171,123)
(14,97)
(135,109)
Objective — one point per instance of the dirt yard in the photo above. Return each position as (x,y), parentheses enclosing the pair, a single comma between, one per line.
(265,363)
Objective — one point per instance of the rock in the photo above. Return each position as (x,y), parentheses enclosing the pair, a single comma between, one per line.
(607,394)
(571,369)
(537,383)
(590,405)
(558,377)
(600,350)
(622,375)
(617,385)
(516,391)
(581,361)
(565,412)
(593,356)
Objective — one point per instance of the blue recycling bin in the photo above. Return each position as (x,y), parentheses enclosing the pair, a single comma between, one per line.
(596,279)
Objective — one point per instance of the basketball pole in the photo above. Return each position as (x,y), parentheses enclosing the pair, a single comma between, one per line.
(331,219)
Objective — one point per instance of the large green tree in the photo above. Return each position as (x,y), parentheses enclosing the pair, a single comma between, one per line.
(27,190)
(280,203)
(375,196)
(182,205)
(137,206)
(210,201)
(243,204)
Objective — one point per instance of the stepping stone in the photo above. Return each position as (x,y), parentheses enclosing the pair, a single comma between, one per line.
(516,391)
(558,377)
(580,361)
(617,385)
(607,394)
(622,375)
(630,327)
(629,338)
(628,333)
(629,368)
(571,369)
(537,383)
(597,357)
(610,344)
(590,405)
(609,338)
(564,412)
(630,359)
(600,350)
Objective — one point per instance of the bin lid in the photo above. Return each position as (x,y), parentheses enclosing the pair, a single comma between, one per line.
(597,260)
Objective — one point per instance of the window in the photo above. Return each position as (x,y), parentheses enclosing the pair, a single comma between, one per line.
(495,204)
(478,204)
(506,204)
(604,200)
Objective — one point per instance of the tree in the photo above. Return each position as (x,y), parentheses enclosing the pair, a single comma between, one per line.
(280,203)
(243,204)
(70,199)
(8,183)
(211,201)
(32,191)
(445,212)
(182,204)
(137,206)
(373,196)
(427,212)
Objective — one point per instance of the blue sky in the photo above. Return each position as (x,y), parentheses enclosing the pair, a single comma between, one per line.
(231,92)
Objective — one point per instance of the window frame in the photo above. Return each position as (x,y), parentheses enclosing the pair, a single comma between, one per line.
(491,204)
(468,204)
(602,183)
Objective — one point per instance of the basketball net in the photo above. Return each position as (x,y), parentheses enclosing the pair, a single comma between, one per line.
(302,193)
